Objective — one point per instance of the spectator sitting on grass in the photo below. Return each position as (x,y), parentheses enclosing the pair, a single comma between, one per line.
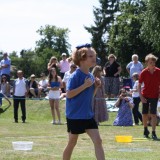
(5,86)
(125,104)
(42,85)
(33,87)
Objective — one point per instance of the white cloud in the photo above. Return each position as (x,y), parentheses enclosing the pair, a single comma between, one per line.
(21,18)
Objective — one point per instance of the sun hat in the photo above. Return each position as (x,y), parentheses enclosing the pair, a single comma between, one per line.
(32,76)
(64,54)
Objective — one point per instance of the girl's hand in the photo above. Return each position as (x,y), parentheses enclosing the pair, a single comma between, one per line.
(126,99)
(88,82)
(131,91)
(97,82)
(121,96)
(115,74)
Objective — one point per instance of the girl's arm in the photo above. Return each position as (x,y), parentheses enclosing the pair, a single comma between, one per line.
(97,84)
(136,87)
(49,66)
(48,86)
(74,92)
(130,102)
(117,104)
(131,105)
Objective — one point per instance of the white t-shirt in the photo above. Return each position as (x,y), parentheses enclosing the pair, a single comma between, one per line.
(135,94)
(20,87)
(43,83)
(64,66)
(66,77)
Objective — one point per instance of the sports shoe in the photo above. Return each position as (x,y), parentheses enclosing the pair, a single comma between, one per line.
(154,136)
(59,122)
(146,133)
(53,122)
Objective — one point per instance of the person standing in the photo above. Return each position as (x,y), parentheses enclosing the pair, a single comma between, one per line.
(54,85)
(53,63)
(68,74)
(20,90)
(99,103)
(5,66)
(112,70)
(136,99)
(64,65)
(81,88)
(149,93)
(134,66)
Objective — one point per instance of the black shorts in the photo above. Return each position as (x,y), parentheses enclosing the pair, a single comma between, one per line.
(79,126)
(150,106)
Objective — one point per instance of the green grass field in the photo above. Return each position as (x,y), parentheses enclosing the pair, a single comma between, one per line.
(50,140)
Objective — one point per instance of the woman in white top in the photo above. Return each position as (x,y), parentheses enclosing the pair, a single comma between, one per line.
(136,99)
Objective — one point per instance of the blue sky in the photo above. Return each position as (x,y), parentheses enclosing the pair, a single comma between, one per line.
(20,19)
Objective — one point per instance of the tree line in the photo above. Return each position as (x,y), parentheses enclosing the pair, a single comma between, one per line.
(122,27)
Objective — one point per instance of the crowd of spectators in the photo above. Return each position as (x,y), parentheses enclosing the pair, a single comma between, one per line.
(53,87)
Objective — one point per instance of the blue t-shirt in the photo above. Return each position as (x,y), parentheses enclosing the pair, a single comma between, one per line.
(80,106)
(6,70)
(135,67)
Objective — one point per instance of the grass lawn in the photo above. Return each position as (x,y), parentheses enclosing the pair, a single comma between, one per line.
(50,140)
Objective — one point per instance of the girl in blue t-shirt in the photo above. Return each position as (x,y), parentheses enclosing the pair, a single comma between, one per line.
(80,90)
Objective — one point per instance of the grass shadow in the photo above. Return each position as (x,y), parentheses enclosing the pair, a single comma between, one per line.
(105,125)
(156,139)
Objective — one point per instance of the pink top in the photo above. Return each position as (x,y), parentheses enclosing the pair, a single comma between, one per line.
(64,66)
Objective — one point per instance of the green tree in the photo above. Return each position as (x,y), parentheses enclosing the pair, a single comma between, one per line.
(53,38)
(104,16)
(26,62)
(54,41)
(151,25)
(125,38)
(13,54)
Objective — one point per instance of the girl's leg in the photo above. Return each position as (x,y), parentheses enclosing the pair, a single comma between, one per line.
(70,146)
(56,103)
(51,102)
(135,110)
(95,136)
